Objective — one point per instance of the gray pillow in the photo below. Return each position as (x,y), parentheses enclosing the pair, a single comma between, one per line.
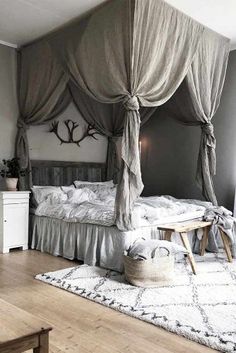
(147,249)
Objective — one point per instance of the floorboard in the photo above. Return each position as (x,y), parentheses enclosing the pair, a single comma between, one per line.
(79,325)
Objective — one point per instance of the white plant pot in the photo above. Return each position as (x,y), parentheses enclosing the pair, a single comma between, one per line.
(11,184)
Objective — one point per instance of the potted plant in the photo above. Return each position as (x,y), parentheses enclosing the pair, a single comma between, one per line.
(11,171)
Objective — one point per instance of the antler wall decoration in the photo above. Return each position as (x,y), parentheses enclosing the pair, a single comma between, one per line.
(71,126)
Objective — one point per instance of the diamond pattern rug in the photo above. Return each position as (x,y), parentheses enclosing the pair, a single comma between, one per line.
(201,308)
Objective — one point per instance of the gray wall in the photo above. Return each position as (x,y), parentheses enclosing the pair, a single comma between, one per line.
(8,102)
(170,150)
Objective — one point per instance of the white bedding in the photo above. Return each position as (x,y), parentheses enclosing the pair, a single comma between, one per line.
(148,211)
(80,223)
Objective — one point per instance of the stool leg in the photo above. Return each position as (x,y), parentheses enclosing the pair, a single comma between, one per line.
(226,243)
(43,344)
(204,241)
(167,235)
(184,238)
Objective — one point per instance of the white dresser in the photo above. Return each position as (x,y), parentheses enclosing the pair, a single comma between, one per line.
(14,220)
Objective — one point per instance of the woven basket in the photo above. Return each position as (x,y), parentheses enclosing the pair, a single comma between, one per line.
(147,273)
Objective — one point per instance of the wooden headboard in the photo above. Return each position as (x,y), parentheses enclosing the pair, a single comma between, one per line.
(58,173)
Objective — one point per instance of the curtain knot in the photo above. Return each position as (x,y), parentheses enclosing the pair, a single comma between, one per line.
(208,128)
(131,103)
(113,138)
(207,152)
(21,124)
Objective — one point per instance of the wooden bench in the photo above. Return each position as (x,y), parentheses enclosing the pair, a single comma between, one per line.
(184,228)
(21,331)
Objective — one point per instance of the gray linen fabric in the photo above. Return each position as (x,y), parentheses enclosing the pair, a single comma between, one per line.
(93,244)
(42,95)
(127,56)
(112,166)
(221,218)
(205,82)
(108,119)
(134,52)
(201,92)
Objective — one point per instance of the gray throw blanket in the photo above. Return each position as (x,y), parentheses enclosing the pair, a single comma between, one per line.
(220,218)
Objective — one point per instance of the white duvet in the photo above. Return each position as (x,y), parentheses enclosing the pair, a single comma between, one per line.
(148,211)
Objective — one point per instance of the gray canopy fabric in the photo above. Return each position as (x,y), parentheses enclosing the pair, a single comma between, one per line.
(42,95)
(127,54)
(108,119)
(201,91)
(205,82)
(118,59)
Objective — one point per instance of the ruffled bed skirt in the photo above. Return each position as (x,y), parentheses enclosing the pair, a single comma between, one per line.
(93,244)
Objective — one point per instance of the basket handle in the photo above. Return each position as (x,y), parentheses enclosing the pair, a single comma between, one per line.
(158,248)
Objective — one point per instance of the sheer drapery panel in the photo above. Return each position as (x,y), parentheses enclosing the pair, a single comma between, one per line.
(197,99)
(125,55)
(42,95)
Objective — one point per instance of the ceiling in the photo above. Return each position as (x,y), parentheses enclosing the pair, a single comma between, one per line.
(22,21)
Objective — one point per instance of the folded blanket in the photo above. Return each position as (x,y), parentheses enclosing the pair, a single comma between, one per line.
(220,218)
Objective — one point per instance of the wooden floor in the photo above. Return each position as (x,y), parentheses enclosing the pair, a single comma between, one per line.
(79,325)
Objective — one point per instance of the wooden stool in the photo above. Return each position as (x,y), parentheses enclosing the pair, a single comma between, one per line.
(182,229)
(21,331)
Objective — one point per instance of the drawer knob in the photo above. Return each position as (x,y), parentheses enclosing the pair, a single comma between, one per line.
(5,220)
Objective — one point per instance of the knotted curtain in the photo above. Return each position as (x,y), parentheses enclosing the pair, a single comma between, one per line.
(125,55)
(107,119)
(42,95)
(201,92)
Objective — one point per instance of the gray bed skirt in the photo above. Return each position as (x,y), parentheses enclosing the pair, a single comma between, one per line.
(92,244)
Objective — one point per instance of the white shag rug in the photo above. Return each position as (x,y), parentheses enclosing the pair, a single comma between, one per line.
(201,308)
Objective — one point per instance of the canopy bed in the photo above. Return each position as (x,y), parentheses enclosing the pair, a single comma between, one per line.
(77,221)
(118,64)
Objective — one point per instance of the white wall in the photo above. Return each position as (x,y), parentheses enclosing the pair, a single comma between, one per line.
(46,146)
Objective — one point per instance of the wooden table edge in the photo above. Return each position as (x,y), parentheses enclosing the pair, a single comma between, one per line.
(182,228)
(36,333)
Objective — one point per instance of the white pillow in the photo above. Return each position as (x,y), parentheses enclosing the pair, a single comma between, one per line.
(102,192)
(78,183)
(63,188)
(79,196)
(40,193)
(67,188)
